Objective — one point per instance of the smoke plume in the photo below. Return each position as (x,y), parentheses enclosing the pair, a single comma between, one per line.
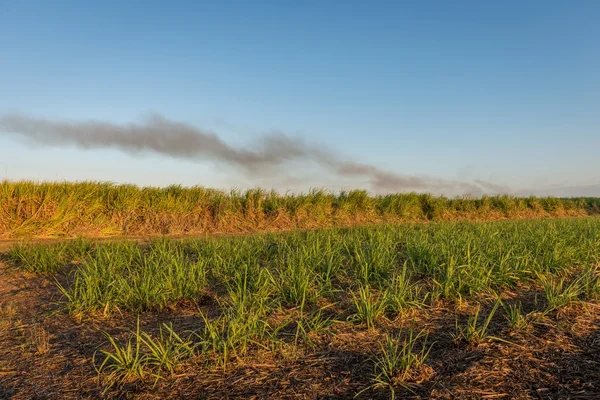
(267,155)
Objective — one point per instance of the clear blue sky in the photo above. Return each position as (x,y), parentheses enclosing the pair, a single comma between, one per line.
(508,92)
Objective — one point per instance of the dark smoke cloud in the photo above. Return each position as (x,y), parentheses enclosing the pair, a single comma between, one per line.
(267,155)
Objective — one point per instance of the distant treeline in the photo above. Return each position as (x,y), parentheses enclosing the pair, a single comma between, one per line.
(29,209)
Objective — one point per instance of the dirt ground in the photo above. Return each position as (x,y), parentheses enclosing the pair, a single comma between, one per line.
(47,354)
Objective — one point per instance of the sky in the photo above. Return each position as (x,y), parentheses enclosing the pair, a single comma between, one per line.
(506,93)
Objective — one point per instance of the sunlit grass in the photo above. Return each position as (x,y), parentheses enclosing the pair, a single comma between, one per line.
(101,208)
(301,289)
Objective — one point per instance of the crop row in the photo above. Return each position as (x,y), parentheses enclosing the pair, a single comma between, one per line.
(270,289)
(101,209)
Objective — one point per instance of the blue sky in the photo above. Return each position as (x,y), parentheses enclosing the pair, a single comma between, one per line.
(507,92)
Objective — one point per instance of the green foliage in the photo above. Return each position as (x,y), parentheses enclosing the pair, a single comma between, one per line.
(369,306)
(475,332)
(558,293)
(398,266)
(398,358)
(402,293)
(38,257)
(590,281)
(296,279)
(125,363)
(267,288)
(233,332)
(101,208)
(126,275)
(168,350)
(144,356)
(517,321)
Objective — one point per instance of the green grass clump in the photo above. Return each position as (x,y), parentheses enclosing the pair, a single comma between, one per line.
(168,350)
(233,332)
(49,258)
(558,293)
(127,275)
(369,306)
(475,331)
(143,356)
(125,363)
(517,320)
(398,358)
(310,325)
(403,294)
(38,257)
(590,281)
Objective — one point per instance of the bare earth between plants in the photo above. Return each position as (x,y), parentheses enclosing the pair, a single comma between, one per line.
(505,309)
